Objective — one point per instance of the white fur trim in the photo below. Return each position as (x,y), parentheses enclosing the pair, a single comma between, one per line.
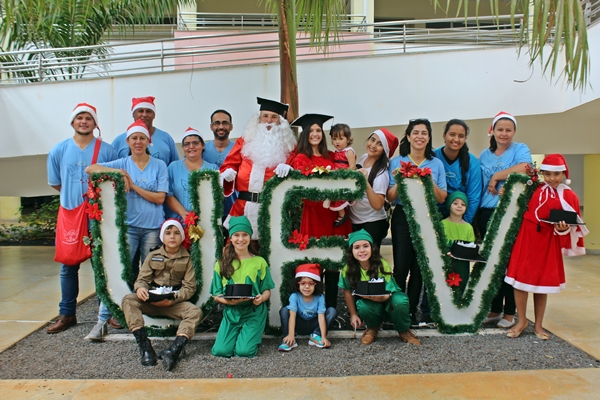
(82,109)
(251,212)
(308,275)
(149,106)
(168,223)
(534,289)
(554,168)
(139,129)
(383,139)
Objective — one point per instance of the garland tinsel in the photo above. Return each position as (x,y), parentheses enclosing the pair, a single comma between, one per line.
(124,254)
(291,200)
(215,220)
(461,301)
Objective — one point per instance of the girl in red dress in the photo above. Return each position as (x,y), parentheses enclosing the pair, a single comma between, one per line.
(316,220)
(536,263)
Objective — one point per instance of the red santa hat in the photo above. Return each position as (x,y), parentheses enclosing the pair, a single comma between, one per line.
(388,140)
(191,131)
(499,116)
(312,271)
(143,102)
(88,108)
(556,162)
(139,126)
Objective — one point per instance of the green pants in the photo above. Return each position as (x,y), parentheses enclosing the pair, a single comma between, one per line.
(395,310)
(462,268)
(241,330)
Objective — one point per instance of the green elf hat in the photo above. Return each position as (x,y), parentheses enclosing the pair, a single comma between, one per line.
(237,224)
(456,195)
(359,235)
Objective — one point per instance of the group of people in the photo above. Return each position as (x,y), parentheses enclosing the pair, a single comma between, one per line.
(466,188)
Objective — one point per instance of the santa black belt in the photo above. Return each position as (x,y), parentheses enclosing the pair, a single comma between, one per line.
(253,197)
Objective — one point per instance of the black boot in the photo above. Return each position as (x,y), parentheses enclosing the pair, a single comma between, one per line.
(148,356)
(170,355)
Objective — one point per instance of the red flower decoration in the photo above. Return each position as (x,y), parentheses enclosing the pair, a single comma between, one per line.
(532,171)
(93,212)
(190,218)
(93,192)
(410,170)
(297,238)
(303,244)
(424,172)
(306,170)
(187,242)
(454,279)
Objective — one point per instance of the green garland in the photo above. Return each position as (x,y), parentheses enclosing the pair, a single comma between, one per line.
(217,193)
(124,254)
(462,301)
(288,224)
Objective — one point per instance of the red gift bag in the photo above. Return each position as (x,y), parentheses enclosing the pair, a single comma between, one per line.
(71,227)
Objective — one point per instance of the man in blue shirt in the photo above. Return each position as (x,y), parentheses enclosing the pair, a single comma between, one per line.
(162,144)
(66,173)
(217,150)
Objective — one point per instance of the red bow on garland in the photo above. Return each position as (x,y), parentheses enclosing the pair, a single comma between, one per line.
(454,279)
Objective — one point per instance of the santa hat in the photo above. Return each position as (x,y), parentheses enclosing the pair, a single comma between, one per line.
(88,108)
(556,162)
(312,271)
(191,131)
(143,102)
(499,116)
(167,224)
(388,140)
(139,126)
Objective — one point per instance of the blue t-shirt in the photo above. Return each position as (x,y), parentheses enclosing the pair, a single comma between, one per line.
(178,184)
(304,310)
(437,171)
(472,188)
(517,153)
(142,213)
(213,156)
(66,167)
(163,146)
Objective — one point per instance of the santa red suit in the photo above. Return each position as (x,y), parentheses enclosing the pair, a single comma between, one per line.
(255,157)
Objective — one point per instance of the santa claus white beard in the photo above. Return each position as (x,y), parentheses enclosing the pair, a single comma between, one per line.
(267,148)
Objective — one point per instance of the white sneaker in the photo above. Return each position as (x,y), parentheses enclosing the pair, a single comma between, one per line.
(487,320)
(98,332)
(504,323)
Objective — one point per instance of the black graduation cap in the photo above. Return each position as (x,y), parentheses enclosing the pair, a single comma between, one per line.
(307,120)
(273,106)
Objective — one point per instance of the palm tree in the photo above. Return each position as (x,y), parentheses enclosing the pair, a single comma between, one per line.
(555,26)
(57,24)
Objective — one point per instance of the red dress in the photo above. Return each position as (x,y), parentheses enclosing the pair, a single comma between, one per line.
(316,220)
(536,263)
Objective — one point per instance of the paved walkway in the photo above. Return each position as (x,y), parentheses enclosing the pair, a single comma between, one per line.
(30,291)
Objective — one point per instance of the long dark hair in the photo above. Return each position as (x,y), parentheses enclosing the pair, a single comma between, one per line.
(405,144)
(229,256)
(463,154)
(305,148)
(379,167)
(375,266)
(493,144)
(295,286)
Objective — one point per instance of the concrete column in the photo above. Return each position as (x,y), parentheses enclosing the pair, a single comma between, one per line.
(9,208)
(591,193)
(192,7)
(365,8)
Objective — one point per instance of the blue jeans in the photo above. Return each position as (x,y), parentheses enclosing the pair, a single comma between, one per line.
(303,326)
(141,239)
(69,287)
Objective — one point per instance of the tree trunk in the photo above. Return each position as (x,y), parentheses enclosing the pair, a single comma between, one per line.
(287,57)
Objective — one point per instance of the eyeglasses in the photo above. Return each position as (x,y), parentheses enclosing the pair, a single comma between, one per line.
(224,123)
(309,284)
(193,143)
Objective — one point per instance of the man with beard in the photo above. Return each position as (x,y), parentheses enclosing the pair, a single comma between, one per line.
(66,173)
(163,145)
(265,149)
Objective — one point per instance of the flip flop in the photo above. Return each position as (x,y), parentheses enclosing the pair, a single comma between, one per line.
(514,334)
(542,336)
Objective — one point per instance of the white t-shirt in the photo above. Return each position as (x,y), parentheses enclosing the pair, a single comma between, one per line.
(362,212)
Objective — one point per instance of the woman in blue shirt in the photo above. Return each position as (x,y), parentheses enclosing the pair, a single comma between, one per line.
(463,172)
(178,198)
(416,148)
(501,159)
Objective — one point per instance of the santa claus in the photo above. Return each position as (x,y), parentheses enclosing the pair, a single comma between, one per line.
(265,149)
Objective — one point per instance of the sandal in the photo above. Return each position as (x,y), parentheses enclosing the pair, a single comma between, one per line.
(514,334)
(340,220)
(542,336)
